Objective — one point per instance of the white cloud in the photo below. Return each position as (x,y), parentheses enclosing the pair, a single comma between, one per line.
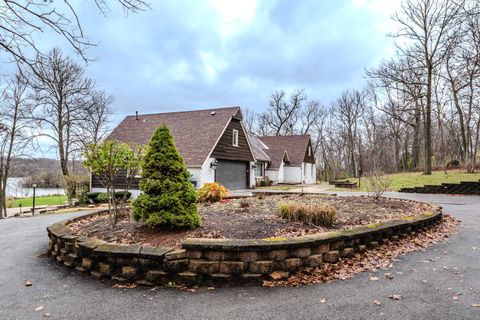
(234,15)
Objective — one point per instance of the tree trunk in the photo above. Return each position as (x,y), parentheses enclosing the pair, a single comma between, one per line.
(416,139)
(463,153)
(427,169)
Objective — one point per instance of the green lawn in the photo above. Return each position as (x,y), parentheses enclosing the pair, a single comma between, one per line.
(41,201)
(417,179)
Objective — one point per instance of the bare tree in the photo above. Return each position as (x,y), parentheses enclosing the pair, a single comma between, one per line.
(427,27)
(282,114)
(22,21)
(60,87)
(348,109)
(462,72)
(14,130)
(96,116)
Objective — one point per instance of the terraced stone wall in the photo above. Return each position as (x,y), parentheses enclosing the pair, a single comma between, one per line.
(464,187)
(216,262)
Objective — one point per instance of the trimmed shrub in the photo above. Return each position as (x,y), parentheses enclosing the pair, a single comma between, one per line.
(168,199)
(316,214)
(102,197)
(211,192)
(92,196)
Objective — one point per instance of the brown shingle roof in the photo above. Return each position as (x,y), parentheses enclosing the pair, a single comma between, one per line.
(257,149)
(195,132)
(296,146)
(277,155)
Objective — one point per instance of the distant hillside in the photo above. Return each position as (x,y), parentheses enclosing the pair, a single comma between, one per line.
(28,167)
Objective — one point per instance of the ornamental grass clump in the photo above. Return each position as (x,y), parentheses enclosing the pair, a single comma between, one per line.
(168,199)
(211,192)
(316,214)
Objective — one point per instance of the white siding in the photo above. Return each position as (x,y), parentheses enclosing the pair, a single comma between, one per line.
(252,175)
(272,175)
(207,173)
(276,175)
(310,173)
(292,174)
(281,173)
(196,175)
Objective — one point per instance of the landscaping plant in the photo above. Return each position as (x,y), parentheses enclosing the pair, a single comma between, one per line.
(108,160)
(168,199)
(316,214)
(376,184)
(211,192)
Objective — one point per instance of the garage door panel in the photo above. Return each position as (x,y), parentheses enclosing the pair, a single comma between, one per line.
(232,174)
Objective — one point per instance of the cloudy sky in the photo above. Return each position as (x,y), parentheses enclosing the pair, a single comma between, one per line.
(197,54)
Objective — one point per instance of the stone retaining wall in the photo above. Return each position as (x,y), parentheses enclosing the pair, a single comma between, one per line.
(464,187)
(215,262)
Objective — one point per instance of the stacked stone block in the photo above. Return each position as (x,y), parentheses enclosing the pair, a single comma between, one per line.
(218,261)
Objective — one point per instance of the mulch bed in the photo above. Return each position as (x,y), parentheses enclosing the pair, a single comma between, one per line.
(251,218)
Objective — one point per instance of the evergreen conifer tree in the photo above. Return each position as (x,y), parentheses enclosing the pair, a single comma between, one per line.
(169,199)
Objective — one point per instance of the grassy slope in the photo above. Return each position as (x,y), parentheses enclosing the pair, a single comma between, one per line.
(417,179)
(41,201)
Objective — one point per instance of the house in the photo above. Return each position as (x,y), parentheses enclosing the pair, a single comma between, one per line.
(284,159)
(213,144)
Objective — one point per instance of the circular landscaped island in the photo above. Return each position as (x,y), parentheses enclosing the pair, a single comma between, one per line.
(241,241)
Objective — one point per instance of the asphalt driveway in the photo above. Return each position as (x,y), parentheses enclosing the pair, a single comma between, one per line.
(427,280)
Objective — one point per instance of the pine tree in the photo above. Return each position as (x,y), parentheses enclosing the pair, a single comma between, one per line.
(168,199)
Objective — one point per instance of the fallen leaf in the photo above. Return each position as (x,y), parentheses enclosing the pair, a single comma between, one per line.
(455,298)
(38,308)
(388,275)
(395,297)
(323,300)
(211,288)
(47,315)
(377,302)
(372,278)
(476,305)
(28,283)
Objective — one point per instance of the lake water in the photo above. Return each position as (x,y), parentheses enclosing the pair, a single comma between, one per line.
(15,189)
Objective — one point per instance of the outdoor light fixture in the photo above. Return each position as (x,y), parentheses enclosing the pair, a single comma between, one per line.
(214,164)
(33,204)
(254,166)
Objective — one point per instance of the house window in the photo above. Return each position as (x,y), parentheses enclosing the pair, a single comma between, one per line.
(235,138)
(259,169)
(311,170)
(309,151)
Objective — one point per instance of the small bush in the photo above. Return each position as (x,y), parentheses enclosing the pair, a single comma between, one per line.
(211,192)
(316,214)
(376,184)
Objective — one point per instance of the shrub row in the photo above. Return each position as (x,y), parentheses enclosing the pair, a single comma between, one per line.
(102,197)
